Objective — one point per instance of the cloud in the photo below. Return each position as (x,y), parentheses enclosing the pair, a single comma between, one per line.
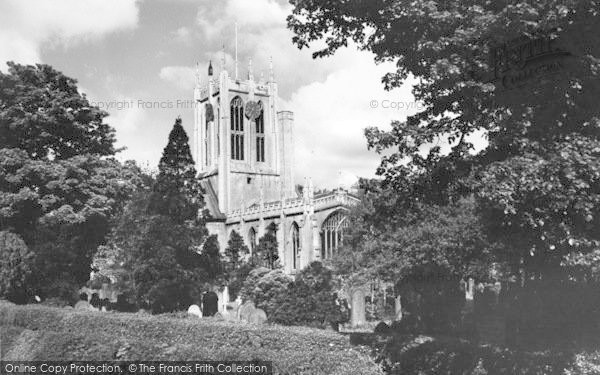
(182,77)
(28,25)
(330,118)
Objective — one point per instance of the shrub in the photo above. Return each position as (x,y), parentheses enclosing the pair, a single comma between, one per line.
(309,299)
(45,333)
(268,289)
(16,262)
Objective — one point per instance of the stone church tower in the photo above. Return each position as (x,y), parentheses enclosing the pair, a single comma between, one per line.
(244,149)
(245,144)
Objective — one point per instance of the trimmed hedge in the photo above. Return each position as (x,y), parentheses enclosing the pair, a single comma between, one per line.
(36,332)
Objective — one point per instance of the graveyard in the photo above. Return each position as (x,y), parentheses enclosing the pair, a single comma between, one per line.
(265,204)
(47,333)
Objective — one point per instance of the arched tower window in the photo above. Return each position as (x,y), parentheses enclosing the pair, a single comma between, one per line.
(252,240)
(237,129)
(206,144)
(295,246)
(260,134)
(332,234)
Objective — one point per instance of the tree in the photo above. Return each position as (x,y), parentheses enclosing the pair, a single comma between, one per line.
(211,258)
(236,251)
(62,210)
(177,192)
(237,264)
(60,187)
(154,260)
(536,183)
(43,113)
(267,252)
(16,264)
(154,250)
(427,249)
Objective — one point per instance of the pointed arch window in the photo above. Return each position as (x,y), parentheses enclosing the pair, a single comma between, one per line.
(237,128)
(252,240)
(296,251)
(260,134)
(332,234)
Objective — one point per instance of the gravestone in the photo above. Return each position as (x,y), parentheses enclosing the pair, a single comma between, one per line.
(223,300)
(257,316)
(357,310)
(83,305)
(210,304)
(245,311)
(398,308)
(194,310)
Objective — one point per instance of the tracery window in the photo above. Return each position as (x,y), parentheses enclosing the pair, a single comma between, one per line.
(332,234)
(295,246)
(260,135)
(237,128)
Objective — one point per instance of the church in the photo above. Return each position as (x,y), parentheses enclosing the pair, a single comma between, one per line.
(244,152)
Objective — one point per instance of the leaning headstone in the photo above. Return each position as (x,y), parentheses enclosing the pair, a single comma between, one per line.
(218,316)
(245,310)
(83,305)
(194,310)
(257,316)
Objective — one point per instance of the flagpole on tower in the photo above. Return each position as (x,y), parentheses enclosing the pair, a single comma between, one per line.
(236,50)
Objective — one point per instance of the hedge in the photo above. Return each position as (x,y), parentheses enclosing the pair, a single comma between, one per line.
(36,332)
(426,355)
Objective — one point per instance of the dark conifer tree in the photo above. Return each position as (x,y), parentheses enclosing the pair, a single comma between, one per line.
(267,252)
(177,193)
(235,251)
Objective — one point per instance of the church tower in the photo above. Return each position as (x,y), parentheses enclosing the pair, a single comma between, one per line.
(243,142)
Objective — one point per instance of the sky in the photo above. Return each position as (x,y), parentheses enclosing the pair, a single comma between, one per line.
(144,53)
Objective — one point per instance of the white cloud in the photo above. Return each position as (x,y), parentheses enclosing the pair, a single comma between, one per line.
(258,13)
(27,25)
(330,118)
(182,77)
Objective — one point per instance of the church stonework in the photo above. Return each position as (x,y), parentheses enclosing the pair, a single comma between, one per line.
(244,147)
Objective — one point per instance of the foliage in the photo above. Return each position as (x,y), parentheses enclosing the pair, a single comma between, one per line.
(44,333)
(425,250)
(237,263)
(62,210)
(308,299)
(153,259)
(236,251)
(43,113)
(267,250)
(267,288)
(311,300)
(210,259)
(16,263)
(154,249)
(406,354)
(176,192)
(536,185)
(59,188)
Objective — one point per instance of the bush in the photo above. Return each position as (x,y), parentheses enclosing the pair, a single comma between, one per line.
(412,354)
(268,289)
(45,333)
(16,262)
(311,300)
(308,300)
